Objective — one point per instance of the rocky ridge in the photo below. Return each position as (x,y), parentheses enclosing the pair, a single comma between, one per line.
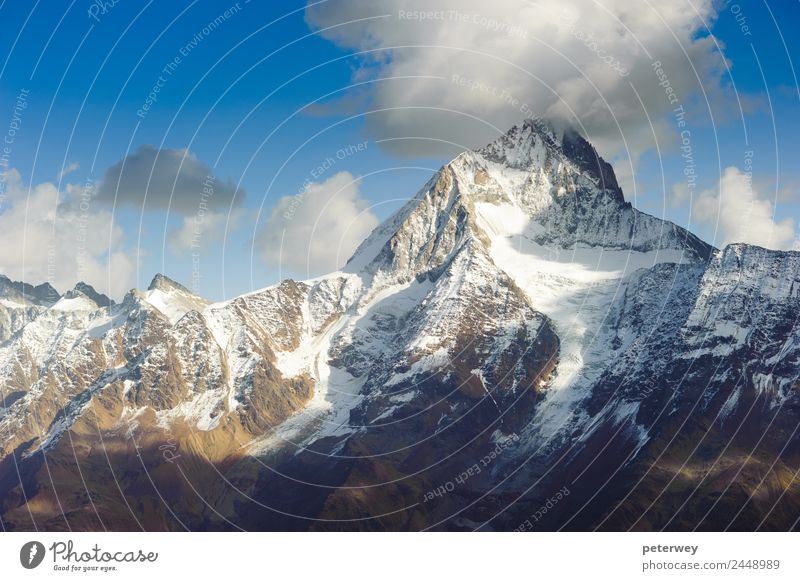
(516,309)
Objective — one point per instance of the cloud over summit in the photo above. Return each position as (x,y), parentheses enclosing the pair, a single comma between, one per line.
(467,70)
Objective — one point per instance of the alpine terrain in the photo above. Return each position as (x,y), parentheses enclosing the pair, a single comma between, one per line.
(517,348)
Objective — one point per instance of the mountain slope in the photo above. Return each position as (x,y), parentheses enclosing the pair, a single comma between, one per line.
(515,330)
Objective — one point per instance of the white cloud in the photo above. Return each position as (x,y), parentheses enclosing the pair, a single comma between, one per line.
(316,231)
(734,213)
(68,169)
(152,179)
(502,61)
(199,232)
(61,238)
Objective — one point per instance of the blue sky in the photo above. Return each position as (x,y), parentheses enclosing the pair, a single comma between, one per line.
(238,96)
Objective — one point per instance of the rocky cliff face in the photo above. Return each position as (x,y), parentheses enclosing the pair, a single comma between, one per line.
(516,330)
(20,303)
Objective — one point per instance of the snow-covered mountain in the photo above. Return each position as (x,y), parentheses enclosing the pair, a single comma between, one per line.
(516,331)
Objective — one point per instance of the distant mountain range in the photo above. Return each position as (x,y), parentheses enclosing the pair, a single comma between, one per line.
(517,348)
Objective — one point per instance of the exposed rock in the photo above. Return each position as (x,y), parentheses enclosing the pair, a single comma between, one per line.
(515,328)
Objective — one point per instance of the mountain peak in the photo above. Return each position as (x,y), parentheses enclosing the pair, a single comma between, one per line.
(88,291)
(164,283)
(537,143)
(542,182)
(42,295)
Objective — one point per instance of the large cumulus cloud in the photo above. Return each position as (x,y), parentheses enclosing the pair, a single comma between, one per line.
(466,69)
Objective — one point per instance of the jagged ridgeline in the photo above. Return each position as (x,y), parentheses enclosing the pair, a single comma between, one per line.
(517,333)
